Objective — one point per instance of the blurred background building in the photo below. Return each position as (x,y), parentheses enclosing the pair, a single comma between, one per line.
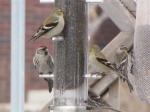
(36,89)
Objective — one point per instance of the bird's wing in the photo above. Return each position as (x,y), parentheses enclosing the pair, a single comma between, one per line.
(41,31)
(105,62)
(50,62)
(48,25)
(102,59)
(35,62)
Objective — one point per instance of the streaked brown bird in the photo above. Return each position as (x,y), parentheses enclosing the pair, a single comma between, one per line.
(43,63)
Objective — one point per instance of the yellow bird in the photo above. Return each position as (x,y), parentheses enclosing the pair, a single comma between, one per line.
(52,26)
(98,61)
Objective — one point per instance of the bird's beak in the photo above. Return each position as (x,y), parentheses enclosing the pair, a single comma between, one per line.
(44,48)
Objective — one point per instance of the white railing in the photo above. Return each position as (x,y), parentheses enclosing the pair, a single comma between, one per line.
(17,55)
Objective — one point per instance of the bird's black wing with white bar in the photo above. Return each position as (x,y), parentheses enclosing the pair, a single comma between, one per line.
(43,29)
(50,25)
(105,62)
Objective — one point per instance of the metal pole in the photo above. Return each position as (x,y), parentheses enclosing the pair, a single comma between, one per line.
(17,55)
(71,58)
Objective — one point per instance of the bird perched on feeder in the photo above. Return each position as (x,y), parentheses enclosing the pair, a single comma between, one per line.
(98,61)
(43,63)
(52,26)
(122,60)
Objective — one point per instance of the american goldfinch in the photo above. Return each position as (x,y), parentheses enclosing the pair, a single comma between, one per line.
(123,55)
(98,62)
(43,63)
(52,26)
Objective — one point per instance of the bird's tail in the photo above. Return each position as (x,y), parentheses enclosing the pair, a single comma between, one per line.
(123,72)
(50,84)
(34,37)
(38,34)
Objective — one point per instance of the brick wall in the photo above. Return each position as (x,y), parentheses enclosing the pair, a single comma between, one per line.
(35,13)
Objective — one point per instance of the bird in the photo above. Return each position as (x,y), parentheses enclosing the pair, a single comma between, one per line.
(44,64)
(122,59)
(98,61)
(52,26)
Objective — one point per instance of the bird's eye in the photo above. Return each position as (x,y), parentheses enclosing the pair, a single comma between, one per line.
(46,53)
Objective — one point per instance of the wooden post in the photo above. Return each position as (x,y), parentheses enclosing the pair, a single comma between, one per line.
(114,94)
(70,57)
(119,14)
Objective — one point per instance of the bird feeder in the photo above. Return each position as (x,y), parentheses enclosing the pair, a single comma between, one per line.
(70,58)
